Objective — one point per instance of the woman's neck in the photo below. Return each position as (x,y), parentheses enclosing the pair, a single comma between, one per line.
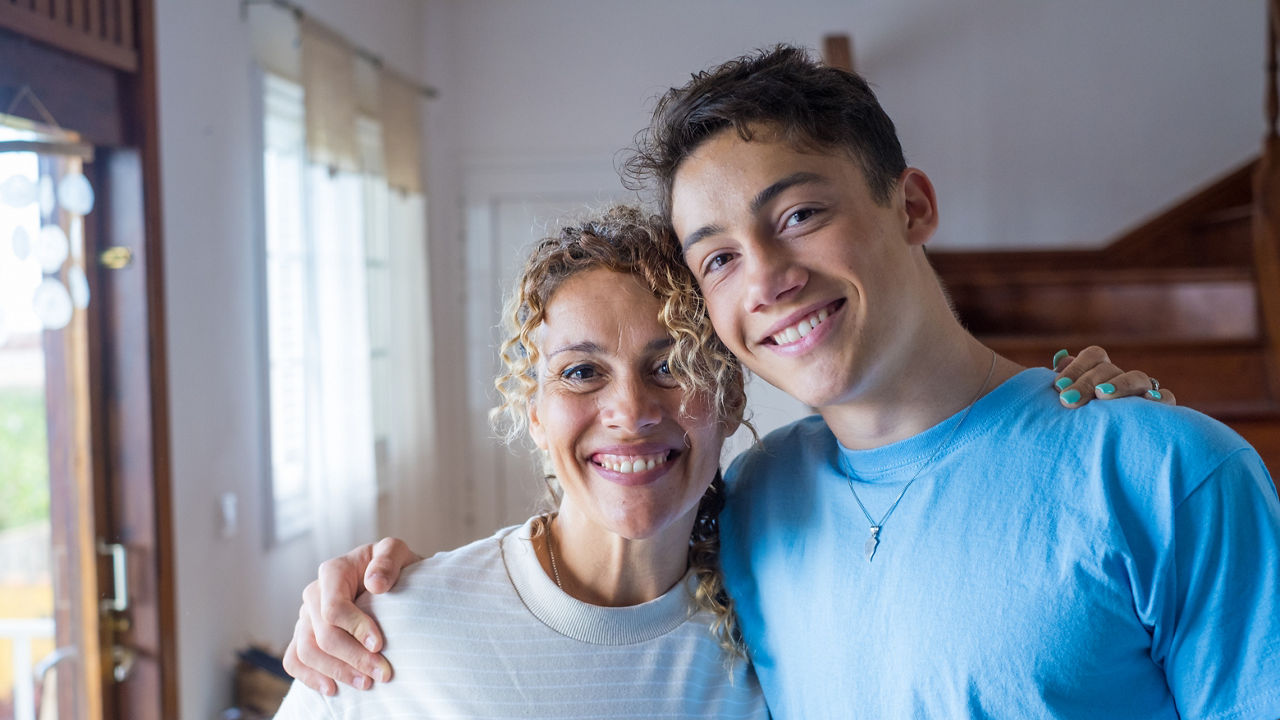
(601,568)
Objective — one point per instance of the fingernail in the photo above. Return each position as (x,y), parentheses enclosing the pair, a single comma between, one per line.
(370,642)
(1107,388)
(1057,358)
(362,683)
(1154,394)
(329,690)
(1062,383)
(379,675)
(378,578)
(1069,397)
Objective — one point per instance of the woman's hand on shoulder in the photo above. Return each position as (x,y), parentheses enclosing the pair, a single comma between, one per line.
(1091,375)
(333,638)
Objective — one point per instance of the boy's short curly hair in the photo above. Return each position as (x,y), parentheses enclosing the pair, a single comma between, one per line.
(813,106)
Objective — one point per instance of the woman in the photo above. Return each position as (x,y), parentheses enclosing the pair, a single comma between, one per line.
(601,606)
(613,542)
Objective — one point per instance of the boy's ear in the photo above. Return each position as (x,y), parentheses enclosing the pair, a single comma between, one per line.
(921,205)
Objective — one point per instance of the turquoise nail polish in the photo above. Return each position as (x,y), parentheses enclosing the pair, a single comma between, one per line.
(1062,383)
(1057,358)
(1107,388)
(1154,394)
(1070,397)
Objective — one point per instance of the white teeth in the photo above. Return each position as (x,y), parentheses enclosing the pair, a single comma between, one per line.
(632,463)
(800,329)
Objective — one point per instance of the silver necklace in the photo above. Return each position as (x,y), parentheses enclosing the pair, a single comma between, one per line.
(552,554)
(869,547)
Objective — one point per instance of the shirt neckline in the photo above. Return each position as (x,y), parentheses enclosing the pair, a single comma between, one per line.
(582,621)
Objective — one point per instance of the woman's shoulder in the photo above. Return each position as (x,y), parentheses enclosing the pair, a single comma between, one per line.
(467,574)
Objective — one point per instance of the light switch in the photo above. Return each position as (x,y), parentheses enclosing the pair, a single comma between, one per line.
(230,506)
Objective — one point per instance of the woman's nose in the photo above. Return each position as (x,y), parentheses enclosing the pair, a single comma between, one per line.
(631,405)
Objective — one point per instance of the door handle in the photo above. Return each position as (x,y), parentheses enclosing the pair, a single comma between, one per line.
(122,659)
(119,576)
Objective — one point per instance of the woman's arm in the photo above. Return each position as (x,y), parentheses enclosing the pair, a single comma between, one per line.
(1092,375)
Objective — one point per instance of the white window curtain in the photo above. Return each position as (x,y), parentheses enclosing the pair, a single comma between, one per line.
(343,487)
(365,418)
(409,468)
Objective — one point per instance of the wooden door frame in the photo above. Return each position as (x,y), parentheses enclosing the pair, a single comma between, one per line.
(113,105)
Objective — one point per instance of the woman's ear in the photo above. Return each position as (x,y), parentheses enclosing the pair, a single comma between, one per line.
(731,426)
(921,205)
(535,427)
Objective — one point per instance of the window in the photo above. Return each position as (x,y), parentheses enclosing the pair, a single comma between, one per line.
(328,276)
(288,264)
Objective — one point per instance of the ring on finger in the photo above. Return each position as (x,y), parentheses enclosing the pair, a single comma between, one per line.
(1154,392)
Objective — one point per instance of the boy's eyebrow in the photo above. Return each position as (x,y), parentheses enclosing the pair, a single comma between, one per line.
(776,189)
(760,200)
(699,234)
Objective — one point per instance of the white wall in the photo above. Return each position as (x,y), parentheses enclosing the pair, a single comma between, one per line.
(1046,124)
(1041,123)
(229,591)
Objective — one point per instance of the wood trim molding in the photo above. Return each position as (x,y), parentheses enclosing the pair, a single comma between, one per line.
(90,29)
(146,106)
(837,52)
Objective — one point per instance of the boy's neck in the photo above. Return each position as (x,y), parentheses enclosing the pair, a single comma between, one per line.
(918,390)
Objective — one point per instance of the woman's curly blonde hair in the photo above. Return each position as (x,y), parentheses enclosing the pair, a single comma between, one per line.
(624,239)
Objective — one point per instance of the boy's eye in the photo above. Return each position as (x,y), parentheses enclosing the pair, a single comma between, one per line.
(799,216)
(717,261)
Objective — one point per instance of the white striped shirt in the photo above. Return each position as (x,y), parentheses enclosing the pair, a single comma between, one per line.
(482,632)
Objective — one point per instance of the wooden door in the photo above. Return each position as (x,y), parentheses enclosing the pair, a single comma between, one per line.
(103,388)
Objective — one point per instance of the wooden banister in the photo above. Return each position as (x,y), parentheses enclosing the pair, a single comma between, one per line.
(1272,100)
(1266,219)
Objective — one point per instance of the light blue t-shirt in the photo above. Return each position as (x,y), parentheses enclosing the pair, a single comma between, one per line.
(1121,560)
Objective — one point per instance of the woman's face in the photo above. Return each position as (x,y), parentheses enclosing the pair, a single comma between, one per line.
(608,411)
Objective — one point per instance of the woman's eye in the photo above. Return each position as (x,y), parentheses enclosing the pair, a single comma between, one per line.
(578,372)
(663,375)
(799,216)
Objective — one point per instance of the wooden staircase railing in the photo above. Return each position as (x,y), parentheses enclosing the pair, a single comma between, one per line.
(1191,296)
(1266,208)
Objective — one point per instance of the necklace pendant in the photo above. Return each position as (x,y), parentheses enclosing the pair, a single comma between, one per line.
(869,549)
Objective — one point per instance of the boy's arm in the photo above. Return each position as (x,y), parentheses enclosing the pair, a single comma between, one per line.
(333,638)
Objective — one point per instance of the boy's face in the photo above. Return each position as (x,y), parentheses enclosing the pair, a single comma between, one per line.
(807,279)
